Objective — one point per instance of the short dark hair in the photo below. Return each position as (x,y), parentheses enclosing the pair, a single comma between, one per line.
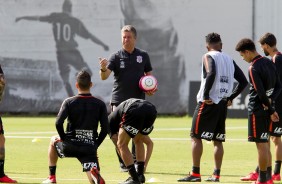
(83,80)
(129,28)
(67,6)
(245,44)
(269,39)
(213,38)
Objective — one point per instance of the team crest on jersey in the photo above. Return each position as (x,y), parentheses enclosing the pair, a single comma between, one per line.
(139,59)
(122,64)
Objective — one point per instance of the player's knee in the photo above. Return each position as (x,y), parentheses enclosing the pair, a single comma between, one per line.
(54,139)
(276,140)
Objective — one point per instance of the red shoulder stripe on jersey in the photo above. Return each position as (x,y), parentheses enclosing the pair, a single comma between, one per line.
(206,64)
(251,74)
(86,97)
(198,118)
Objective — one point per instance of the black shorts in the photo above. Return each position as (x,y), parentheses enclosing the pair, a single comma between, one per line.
(1,127)
(258,127)
(139,118)
(209,121)
(86,154)
(275,128)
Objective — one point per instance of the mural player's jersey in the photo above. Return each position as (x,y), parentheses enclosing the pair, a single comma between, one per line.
(65,27)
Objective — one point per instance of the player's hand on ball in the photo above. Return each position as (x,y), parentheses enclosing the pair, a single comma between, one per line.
(151,93)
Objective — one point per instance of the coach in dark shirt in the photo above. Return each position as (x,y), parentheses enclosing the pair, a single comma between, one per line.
(129,64)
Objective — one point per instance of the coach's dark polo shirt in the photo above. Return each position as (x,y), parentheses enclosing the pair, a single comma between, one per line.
(128,69)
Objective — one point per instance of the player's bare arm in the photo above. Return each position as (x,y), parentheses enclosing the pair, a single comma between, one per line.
(104,71)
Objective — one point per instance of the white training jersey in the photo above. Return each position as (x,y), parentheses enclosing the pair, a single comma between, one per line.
(224,79)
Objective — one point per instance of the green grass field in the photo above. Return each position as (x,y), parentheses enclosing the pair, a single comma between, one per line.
(27,161)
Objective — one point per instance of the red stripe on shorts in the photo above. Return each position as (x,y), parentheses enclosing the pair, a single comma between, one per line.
(254,125)
(198,118)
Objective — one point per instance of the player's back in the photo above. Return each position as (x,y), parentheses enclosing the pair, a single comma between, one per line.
(264,70)
(85,112)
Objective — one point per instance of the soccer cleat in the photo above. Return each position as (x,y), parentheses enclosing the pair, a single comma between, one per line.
(276,177)
(123,168)
(270,181)
(95,174)
(50,179)
(130,181)
(191,178)
(258,182)
(213,178)
(141,178)
(251,177)
(6,179)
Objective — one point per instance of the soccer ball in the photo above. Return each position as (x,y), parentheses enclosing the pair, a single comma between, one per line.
(148,83)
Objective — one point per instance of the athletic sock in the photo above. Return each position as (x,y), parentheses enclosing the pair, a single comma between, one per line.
(277,167)
(268,173)
(52,170)
(262,176)
(216,172)
(140,168)
(2,168)
(132,172)
(196,170)
(257,169)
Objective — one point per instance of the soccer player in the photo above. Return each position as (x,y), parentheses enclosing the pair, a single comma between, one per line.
(128,64)
(264,90)
(219,72)
(81,139)
(65,28)
(3,177)
(132,119)
(268,45)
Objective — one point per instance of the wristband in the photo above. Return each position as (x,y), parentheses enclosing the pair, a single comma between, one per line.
(103,70)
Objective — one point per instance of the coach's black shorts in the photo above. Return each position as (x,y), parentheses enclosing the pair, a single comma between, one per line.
(258,127)
(209,121)
(86,154)
(1,127)
(139,117)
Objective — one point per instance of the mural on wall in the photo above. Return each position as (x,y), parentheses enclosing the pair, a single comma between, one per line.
(44,43)
(158,36)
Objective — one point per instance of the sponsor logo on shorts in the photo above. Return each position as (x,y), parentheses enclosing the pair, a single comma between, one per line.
(220,137)
(207,135)
(264,136)
(147,130)
(89,165)
(131,129)
(278,130)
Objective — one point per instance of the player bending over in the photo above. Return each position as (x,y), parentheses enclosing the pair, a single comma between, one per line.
(132,119)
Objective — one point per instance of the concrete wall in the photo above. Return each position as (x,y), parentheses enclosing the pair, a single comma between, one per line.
(173,32)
